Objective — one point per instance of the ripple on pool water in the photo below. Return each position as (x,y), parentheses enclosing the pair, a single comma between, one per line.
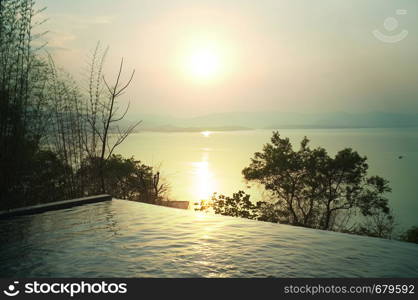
(127,239)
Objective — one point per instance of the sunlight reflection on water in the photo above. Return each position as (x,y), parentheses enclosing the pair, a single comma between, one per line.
(204,183)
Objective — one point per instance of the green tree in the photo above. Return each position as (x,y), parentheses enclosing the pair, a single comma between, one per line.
(125,178)
(286,174)
(411,235)
(378,224)
(239,205)
(311,188)
(48,180)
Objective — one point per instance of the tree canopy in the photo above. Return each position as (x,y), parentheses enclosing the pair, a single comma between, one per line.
(310,188)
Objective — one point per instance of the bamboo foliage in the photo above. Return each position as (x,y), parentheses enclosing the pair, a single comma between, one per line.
(22,122)
(49,128)
(84,126)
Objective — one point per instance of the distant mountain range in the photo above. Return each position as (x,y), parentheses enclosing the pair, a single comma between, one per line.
(275,120)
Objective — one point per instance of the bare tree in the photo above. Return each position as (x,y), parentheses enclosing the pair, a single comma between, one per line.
(110,117)
(102,113)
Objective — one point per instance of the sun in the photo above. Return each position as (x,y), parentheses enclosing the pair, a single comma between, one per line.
(206,133)
(204,63)
(205,60)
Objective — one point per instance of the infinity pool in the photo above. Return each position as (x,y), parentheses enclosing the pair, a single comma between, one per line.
(127,239)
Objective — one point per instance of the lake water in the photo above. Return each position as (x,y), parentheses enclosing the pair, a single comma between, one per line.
(126,239)
(198,164)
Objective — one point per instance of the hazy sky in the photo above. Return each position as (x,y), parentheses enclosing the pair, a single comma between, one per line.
(198,57)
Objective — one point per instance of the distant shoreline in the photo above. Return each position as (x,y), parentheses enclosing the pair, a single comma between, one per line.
(195,129)
(226,129)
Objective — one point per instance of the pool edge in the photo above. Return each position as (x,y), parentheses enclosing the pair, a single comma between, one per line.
(36,209)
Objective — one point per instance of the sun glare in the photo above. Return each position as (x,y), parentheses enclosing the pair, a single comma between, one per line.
(204,62)
(204,184)
(206,133)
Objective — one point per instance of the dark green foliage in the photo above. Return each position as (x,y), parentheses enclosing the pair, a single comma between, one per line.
(47,179)
(377,224)
(312,189)
(270,212)
(411,235)
(125,178)
(42,179)
(21,98)
(239,205)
